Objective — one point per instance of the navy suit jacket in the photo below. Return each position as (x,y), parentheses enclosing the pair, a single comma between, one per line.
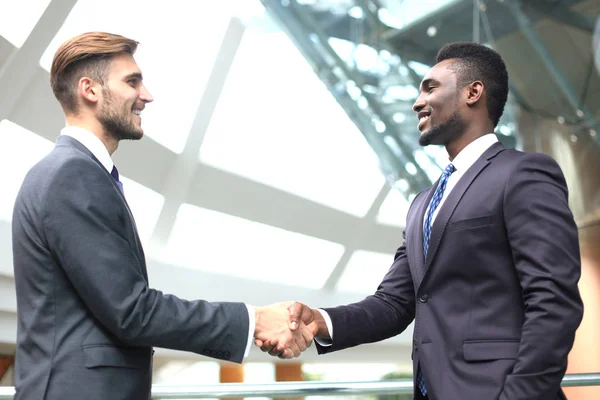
(496,303)
(87,318)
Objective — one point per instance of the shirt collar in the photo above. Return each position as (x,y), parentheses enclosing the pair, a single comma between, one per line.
(92,143)
(467,157)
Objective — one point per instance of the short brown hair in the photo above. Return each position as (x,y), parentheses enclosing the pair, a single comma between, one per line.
(87,55)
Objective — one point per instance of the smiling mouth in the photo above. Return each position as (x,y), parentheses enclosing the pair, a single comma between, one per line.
(422,121)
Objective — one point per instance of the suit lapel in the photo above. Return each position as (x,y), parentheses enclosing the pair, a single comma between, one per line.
(69,141)
(441,220)
(415,250)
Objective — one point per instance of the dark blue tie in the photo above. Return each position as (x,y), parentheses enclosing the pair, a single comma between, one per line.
(115,175)
(433,205)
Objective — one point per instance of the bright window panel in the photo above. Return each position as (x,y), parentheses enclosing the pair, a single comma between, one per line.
(339,372)
(393,210)
(276,123)
(364,272)
(21,149)
(145,204)
(181,373)
(175,63)
(429,166)
(259,373)
(439,154)
(398,14)
(209,240)
(18,18)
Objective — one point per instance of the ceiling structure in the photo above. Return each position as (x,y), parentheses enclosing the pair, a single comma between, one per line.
(372,54)
(281,151)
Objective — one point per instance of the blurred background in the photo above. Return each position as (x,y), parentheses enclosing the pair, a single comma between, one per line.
(281,152)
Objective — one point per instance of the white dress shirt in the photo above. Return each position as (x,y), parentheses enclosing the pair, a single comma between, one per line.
(462,162)
(92,143)
(97,148)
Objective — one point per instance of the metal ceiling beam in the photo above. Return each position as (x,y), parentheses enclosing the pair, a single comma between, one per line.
(324,69)
(421,177)
(426,20)
(526,28)
(300,27)
(563,15)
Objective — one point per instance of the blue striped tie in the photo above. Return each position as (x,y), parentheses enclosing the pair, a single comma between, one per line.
(433,205)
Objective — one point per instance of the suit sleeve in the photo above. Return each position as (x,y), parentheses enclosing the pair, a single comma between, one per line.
(544,242)
(385,314)
(84,222)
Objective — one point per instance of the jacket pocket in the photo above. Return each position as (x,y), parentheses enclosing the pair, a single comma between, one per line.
(470,223)
(482,350)
(112,356)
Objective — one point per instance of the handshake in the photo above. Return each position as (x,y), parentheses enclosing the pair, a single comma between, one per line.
(287,329)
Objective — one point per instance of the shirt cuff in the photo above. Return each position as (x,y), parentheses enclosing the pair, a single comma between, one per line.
(323,341)
(251,327)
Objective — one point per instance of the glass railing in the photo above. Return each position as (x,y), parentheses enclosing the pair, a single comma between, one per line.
(282,389)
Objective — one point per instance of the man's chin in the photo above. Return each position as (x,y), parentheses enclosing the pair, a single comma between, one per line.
(137,135)
(426,138)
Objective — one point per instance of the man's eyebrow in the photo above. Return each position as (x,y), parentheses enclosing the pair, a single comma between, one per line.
(427,82)
(137,75)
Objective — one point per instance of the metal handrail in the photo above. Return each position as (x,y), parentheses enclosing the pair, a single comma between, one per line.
(283,389)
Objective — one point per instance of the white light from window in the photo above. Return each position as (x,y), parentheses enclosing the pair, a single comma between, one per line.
(410,168)
(339,372)
(200,373)
(175,64)
(212,241)
(18,18)
(364,271)
(432,169)
(276,123)
(393,210)
(356,12)
(21,149)
(145,205)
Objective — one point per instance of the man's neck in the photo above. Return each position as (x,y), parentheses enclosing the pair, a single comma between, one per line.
(95,127)
(471,134)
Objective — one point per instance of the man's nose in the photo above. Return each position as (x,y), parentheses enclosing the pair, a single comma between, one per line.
(419,104)
(145,95)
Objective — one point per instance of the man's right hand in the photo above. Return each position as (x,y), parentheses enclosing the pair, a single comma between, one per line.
(273,327)
(300,315)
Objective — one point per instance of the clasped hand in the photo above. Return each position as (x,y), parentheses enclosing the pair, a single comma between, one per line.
(282,333)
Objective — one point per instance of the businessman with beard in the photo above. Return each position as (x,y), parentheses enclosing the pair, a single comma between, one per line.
(489,264)
(87,317)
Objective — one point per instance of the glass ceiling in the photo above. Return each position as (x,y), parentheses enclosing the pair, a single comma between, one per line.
(175,76)
(276,123)
(364,272)
(145,205)
(212,241)
(20,150)
(398,14)
(18,18)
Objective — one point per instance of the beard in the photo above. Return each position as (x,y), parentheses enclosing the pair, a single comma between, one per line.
(117,119)
(445,132)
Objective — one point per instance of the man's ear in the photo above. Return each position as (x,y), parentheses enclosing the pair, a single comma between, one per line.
(88,89)
(474,92)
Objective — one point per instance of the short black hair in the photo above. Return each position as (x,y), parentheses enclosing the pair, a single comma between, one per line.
(476,62)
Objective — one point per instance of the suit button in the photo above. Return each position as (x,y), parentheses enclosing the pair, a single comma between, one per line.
(415,346)
(423,298)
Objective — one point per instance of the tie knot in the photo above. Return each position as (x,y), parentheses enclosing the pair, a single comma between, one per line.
(115,173)
(449,169)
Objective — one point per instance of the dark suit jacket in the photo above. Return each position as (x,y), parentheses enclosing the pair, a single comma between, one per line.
(496,303)
(87,319)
